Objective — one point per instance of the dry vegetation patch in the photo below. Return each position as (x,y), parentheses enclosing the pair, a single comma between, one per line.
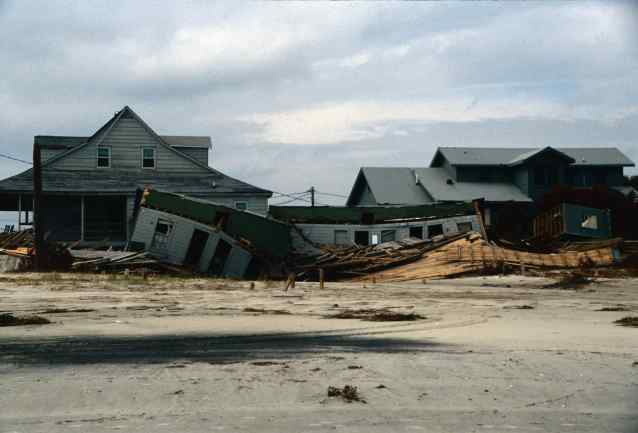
(348,393)
(376,315)
(11,320)
(631,321)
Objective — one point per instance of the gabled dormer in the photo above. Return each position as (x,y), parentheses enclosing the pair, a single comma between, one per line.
(127,143)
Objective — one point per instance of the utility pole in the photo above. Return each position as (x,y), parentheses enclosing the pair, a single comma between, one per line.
(312,196)
(39,258)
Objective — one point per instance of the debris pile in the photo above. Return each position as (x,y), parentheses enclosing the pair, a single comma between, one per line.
(348,393)
(354,261)
(473,254)
(376,315)
(8,319)
(95,260)
(630,321)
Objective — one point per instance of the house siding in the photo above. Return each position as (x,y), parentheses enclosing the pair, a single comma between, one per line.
(126,139)
(366,198)
(521,179)
(46,154)
(256,204)
(450,169)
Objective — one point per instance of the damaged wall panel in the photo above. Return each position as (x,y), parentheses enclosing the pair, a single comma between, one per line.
(370,234)
(170,238)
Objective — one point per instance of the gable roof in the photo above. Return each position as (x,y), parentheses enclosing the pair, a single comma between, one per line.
(392,185)
(82,180)
(582,156)
(527,156)
(99,135)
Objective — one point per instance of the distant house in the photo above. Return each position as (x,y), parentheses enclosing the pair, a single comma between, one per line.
(495,174)
(89,183)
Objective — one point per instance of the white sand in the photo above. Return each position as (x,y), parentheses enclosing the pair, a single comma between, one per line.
(182,356)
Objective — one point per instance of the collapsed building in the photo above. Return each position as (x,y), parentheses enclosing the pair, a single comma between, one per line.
(363,226)
(207,237)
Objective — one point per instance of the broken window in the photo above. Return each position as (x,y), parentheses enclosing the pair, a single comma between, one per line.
(388,235)
(148,157)
(375,238)
(464,227)
(435,230)
(103,157)
(240,205)
(590,222)
(163,230)
(416,232)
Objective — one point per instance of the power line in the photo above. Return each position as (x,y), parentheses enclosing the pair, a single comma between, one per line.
(290,193)
(2,155)
(286,202)
(292,196)
(331,194)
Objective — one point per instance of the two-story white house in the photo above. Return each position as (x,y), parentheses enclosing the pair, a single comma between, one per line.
(89,183)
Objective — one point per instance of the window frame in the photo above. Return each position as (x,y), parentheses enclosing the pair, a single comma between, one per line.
(154,157)
(98,157)
(241,202)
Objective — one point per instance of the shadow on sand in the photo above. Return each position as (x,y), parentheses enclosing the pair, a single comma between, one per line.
(201,348)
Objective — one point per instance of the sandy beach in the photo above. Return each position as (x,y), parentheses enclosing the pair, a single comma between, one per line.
(152,355)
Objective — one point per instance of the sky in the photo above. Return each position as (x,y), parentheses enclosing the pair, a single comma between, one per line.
(295,95)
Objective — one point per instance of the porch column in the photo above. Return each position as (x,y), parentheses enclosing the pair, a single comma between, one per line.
(19,212)
(81,218)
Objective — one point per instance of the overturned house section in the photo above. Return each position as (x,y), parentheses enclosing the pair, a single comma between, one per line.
(363,226)
(208,237)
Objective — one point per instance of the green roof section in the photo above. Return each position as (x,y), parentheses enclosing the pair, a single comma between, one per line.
(264,234)
(368,214)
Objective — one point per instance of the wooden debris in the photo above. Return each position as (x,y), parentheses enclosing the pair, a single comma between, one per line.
(338,262)
(472,254)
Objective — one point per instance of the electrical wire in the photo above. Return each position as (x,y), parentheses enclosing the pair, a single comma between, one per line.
(331,194)
(13,158)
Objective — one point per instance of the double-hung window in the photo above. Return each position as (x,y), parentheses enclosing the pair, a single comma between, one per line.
(148,157)
(103,157)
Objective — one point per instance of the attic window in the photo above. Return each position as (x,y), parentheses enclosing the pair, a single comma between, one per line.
(148,157)
(103,157)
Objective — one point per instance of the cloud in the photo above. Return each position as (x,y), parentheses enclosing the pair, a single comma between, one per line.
(355,121)
(318,88)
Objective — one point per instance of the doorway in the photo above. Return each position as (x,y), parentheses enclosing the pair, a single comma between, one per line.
(218,262)
(196,247)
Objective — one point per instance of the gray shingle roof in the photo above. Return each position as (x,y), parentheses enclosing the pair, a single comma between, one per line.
(583,156)
(398,186)
(187,140)
(73,181)
(435,181)
(395,185)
